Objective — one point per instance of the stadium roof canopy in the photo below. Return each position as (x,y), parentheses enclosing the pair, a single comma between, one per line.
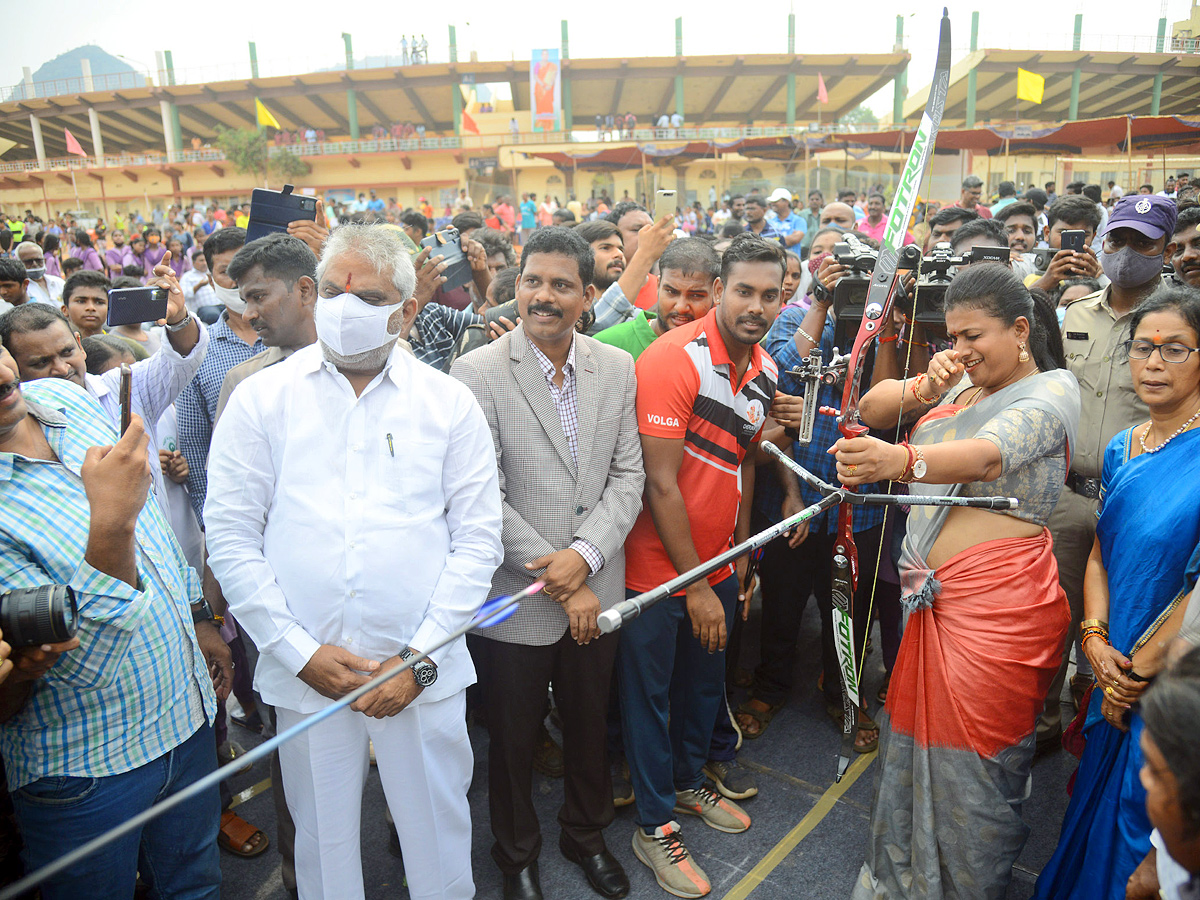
(729,89)
(1110,84)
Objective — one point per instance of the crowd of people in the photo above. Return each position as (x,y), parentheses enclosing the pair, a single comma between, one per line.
(339,449)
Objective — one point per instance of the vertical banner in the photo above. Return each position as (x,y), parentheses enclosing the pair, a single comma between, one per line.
(545,90)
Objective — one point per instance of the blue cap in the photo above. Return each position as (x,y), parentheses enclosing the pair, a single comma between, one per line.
(1149,214)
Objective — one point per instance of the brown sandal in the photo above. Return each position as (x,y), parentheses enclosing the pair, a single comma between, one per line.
(239,837)
(762,716)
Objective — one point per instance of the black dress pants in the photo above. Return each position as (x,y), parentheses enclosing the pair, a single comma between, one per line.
(518,677)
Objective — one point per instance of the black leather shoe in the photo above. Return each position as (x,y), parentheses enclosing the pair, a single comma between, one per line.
(525,885)
(603,872)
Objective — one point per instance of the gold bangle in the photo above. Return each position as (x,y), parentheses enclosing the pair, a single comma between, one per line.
(1094,623)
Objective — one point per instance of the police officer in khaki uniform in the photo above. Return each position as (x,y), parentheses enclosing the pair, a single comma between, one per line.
(1136,241)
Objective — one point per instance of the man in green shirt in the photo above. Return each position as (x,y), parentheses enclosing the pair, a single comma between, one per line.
(687,269)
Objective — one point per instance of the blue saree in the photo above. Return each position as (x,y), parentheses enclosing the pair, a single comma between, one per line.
(1149,528)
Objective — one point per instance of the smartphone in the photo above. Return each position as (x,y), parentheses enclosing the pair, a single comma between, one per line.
(448,245)
(271,211)
(1073,240)
(664,204)
(126,396)
(142,304)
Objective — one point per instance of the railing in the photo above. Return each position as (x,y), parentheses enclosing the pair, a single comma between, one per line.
(429,142)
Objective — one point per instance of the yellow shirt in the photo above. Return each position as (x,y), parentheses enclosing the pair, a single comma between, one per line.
(242,220)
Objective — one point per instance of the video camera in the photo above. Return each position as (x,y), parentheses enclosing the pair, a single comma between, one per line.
(30,617)
(936,273)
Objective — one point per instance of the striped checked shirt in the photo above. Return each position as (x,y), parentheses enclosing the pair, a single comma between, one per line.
(568,416)
(196,407)
(436,330)
(137,686)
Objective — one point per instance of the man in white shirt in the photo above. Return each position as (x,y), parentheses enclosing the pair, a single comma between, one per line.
(42,288)
(353,517)
(44,345)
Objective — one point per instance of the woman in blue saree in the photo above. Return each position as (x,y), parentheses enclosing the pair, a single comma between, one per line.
(1142,568)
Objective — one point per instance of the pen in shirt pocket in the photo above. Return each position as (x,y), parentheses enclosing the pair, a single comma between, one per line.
(391,446)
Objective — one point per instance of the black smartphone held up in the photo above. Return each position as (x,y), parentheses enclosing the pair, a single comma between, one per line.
(1073,239)
(271,211)
(126,396)
(447,244)
(127,306)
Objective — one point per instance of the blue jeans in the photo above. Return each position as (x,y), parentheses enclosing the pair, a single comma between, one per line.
(671,688)
(175,853)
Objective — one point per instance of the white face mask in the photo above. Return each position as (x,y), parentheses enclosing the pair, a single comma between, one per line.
(348,325)
(231,298)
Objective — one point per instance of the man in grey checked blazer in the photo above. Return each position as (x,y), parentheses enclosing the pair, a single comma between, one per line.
(561,409)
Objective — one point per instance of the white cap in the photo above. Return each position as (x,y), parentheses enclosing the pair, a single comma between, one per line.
(780,194)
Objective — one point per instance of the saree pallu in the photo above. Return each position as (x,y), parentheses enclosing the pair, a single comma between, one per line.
(1149,534)
(946,821)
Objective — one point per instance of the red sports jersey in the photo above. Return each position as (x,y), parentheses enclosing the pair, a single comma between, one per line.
(685,391)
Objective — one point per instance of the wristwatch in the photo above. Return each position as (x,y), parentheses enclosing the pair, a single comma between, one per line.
(424,672)
(180,325)
(919,467)
(202,612)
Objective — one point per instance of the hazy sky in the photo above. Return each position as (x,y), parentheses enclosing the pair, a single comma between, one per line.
(302,35)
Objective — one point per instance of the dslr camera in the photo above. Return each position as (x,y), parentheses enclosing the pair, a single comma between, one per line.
(40,615)
(937,271)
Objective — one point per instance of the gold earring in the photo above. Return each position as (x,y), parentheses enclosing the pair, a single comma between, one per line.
(1023,356)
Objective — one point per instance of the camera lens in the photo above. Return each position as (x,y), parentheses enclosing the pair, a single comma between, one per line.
(31,617)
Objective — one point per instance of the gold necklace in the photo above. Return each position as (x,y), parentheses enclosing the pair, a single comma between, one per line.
(1178,431)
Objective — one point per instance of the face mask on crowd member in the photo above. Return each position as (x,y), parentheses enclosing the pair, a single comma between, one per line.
(219,250)
(32,258)
(363,305)
(838,215)
(1137,240)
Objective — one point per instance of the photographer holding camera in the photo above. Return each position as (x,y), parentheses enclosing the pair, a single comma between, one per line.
(96,729)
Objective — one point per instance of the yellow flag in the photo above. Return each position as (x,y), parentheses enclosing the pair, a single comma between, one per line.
(1030,86)
(265,118)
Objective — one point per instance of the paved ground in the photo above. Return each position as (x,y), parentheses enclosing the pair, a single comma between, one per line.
(795,761)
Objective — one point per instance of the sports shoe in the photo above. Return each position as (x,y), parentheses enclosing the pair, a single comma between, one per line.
(715,810)
(673,867)
(732,780)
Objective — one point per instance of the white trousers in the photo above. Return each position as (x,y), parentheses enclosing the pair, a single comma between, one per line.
(425,763)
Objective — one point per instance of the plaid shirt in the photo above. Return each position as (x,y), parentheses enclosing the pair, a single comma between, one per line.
(611,308)
(137,686)
(196,406)
(768,495)
(436,332)
(564,403)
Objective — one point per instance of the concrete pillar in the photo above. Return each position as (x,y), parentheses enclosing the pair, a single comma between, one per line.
(1077,75)
(567,111)
(679,54)
(175,126)
(1156,96)
(901,83)
(791,79)
(93,117)
(27,78)
(164,107)
(971,76)
(39,146)
(253,60)
(351,98)
(456,88)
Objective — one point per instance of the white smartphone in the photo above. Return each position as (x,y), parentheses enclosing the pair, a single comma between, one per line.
(664,204)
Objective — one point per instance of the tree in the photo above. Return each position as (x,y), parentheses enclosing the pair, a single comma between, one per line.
(249,151)
(860,115)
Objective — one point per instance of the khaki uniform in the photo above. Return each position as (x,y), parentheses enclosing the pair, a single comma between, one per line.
(1092,334)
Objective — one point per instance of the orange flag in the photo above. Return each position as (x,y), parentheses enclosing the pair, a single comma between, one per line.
(468,123)
(73,145)
(822,94)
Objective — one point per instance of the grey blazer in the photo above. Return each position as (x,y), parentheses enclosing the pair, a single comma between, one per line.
(547,503)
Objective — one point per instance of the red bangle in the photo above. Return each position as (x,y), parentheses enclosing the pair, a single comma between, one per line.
(889,340)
